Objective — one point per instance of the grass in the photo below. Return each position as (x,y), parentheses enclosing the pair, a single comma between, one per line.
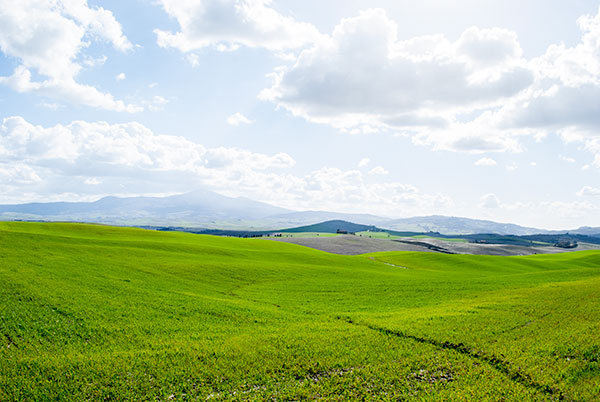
(377,235)
(92,312)
(307,234)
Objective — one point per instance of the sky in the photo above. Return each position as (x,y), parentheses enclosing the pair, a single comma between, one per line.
(475,108)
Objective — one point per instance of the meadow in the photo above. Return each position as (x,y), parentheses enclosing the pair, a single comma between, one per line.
(90,312)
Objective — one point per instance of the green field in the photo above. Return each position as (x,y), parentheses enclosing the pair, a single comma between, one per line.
(377,235)
(101,313)
(307,234)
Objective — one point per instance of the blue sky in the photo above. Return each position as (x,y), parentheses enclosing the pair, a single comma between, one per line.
(483,109)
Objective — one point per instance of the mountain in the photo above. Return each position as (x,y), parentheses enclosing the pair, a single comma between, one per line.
(583,230)
(200,207)
(456,225)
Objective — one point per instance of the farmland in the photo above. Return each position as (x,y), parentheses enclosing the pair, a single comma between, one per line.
(92,312)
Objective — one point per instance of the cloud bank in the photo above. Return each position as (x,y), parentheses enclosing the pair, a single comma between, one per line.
(97,158)
(47,38)
(229,24)
(475,94)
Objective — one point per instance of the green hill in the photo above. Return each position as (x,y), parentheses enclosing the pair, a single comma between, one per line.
(331,227)
(102,313)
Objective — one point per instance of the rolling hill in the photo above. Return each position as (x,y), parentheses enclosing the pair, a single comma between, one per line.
(455,225)
(91,312)
(332,226)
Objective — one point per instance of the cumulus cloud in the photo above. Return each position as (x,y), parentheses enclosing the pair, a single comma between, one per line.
(476,94)
(94,147)
(378,170)
(489,47)
(52,163)
(18,173)
(485,162)
(364,78)
(566,93)
(47,38)
(237,118)
(92,181)
(344,190)
(120,76)
(589,191)
(155,103)
(566,158)
(229,24)
(364,162)
(489,201)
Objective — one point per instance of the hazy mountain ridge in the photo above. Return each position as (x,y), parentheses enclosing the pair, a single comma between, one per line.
(207,209)
(198,207)
(457,225)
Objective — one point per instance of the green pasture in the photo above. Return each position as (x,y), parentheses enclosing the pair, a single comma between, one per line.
(98,313)
(306,234)
(377,235)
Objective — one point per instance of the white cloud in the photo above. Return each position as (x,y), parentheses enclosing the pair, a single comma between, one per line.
(476,94)
(364,162)
(155,103)
(349,191)
(489,201)
(489,47)
(378,170)
(46,163)
(364,78)
(237,118)
(566,159)
(66,89)
(569,211)
(97,146)
(485,162)
(18,173)
(92,181)
(120,76)
(97,22)
(589,191)
(565,96)
(47,38)
(228,24)
(193,59)
(50,105)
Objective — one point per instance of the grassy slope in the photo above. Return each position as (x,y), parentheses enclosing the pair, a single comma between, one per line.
(102,313)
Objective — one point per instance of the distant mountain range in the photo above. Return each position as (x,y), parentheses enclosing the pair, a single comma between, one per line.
(204,208)
(455,225)
(207,209)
